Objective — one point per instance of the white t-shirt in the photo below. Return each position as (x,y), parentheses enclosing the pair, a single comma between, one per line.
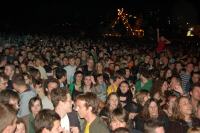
(65,123)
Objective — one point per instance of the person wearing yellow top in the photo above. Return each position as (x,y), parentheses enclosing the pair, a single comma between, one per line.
(113,87)
(87,108)
(87,128)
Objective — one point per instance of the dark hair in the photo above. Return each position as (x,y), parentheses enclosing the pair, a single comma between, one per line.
(50,80)
(18,79)
(45,119)
(6,95)
(60,72)
(121,130)
(32,101)
(151,125)
(195,85)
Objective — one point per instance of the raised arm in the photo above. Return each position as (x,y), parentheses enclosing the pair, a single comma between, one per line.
(158,35)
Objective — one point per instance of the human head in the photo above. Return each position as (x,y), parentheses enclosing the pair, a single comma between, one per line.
(124,87)
(78,76)
(47,121)
(61,74)
(88,80)
(151,109)
(61,99)
(18,81)
(112,101)
(35,105)
(8,119)
(119,118)
(10,97)
(153,126)
(195,77)
(121,130)
(182,108)
(90,63)
(9,70)
(3,81)
(21,128)
(71,60)
(142,97)
(195,92)
(50,84)
(87,104)
(193,130)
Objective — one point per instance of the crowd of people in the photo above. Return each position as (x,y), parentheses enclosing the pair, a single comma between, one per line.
(51,84)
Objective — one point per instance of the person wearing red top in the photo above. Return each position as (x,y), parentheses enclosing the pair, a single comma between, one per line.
(161,42)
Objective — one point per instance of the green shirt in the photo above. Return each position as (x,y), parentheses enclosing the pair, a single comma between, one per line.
(147,86)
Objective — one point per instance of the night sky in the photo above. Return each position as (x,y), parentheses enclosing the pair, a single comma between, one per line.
(86,14)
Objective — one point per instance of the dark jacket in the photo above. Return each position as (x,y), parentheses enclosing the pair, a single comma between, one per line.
(181,126)
(97,126)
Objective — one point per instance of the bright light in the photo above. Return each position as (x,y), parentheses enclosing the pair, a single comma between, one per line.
(189,33)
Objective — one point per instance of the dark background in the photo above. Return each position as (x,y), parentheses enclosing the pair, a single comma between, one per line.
(92,16)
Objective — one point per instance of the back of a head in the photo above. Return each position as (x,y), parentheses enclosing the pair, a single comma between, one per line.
(194,130)
(45,119)
(152,125)
(6,95)
(18,79)
(58,95)
(7,116)
(121,130)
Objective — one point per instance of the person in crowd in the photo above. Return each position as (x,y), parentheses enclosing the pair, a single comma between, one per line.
(100,87)
(112,102)
(182,116)
(47,121)
(153,126)
(60,74)
(195,95)
(121,130)
(25,94)
(21,127)
(169,103)
(62,102)
(49,85)
(151,110)
(8,119)
(185,77)
(176,86)
(117,80)
(76,87)
(195,77)
(141,98)
(9,71)
(88,83)
(162,41)
(70,69)
(89,69)
(3,81)
(10,97)
(87,108)
(159,90)
(124,93)
(193,130)
(35,105)
(39,64)
(144,83)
